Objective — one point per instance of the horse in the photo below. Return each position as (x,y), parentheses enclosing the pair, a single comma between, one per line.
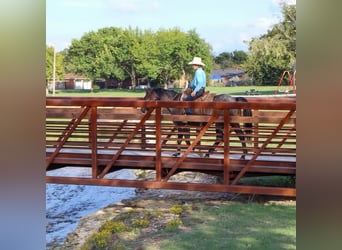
(154,94)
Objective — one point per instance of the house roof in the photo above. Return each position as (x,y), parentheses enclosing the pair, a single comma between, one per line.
(219,73)
(72,76)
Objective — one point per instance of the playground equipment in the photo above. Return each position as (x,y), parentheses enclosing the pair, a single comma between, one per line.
(292,83)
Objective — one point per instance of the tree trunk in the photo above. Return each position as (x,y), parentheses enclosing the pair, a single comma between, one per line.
(182,82)
(133,80)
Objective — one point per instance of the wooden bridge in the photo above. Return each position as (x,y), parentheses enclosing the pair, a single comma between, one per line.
(110,134)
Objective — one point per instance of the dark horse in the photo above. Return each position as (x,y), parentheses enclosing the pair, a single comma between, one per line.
(161,94)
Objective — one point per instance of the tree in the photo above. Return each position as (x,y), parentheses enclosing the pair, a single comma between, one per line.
(172,53)
(238,57)
(147,53)
(229,60)
(267,61)
(224,60)
(95,55)
(125,60)
(49,51)
(116,53)
(273,53)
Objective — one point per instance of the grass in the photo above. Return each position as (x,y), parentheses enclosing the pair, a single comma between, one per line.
(239,90)
(271,181)
(230,225)
(237,226)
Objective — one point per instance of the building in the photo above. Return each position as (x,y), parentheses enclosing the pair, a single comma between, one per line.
(227,77)
(74,81)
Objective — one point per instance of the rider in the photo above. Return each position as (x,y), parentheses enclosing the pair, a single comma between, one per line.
(198,84)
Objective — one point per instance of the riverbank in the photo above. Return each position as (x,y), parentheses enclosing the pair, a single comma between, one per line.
(67,204)
(153,200)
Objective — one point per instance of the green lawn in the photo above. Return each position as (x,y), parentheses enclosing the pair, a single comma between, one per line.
(236,226)
(198,226)
(240,90)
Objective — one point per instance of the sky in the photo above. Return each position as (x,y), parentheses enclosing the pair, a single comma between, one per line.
(224,24)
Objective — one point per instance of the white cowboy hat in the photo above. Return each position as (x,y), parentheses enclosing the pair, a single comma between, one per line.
(196,61)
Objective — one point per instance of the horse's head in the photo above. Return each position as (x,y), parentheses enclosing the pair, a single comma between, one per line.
(151,95)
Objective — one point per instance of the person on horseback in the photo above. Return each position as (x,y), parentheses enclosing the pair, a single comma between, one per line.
(198,84)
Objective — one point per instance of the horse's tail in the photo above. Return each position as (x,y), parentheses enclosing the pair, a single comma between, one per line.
(246,112)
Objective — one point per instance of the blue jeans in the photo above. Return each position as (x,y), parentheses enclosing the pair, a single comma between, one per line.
(188,111)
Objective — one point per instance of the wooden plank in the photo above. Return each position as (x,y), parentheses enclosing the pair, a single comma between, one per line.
(289,192)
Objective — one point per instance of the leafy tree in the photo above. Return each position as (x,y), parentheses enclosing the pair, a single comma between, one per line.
(172,51)
(94,55)
(147,52)
(224,60)
(59,67)
(267,61)
(125,59)
(273,53)
(116,53)
(238,57)
(228,60)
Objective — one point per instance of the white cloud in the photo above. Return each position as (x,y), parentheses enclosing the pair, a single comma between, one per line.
(134,5)
(264,23)
(289,2)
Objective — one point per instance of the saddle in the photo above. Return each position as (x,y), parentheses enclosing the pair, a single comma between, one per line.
(206,97)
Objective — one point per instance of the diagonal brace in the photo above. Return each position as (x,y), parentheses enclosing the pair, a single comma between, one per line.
(263,146)
(67,135)
(124,145)
(193,144)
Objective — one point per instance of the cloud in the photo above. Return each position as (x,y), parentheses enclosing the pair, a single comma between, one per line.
(278,2)
(134,5)
(263,23)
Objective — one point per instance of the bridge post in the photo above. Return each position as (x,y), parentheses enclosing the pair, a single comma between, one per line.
(158,144)
(226,136)
(93,140)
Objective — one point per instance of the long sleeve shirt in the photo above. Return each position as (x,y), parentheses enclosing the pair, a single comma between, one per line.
(199,80)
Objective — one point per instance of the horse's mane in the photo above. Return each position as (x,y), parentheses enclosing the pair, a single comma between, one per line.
(167,92)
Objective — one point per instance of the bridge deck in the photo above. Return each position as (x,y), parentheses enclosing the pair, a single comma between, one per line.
(109,134)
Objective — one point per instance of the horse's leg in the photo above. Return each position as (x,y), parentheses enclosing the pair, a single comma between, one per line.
(179,141)
(182,132)
(241,136)
(219,138)
(198,130)
(187,136)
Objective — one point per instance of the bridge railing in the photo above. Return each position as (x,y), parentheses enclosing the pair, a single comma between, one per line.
(109,134)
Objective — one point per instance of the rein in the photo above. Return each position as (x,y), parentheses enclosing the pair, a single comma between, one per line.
(177,97)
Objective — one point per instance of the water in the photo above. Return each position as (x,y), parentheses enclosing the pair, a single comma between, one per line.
(66,204)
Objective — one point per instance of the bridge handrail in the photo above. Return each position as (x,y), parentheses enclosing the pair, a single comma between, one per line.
(265,103)
(116,123)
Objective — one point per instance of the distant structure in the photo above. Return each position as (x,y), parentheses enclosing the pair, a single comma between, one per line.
(228,77)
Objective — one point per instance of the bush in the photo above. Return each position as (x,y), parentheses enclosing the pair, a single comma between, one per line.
(178,208)
(173,224)
(115,227)
(141,223)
